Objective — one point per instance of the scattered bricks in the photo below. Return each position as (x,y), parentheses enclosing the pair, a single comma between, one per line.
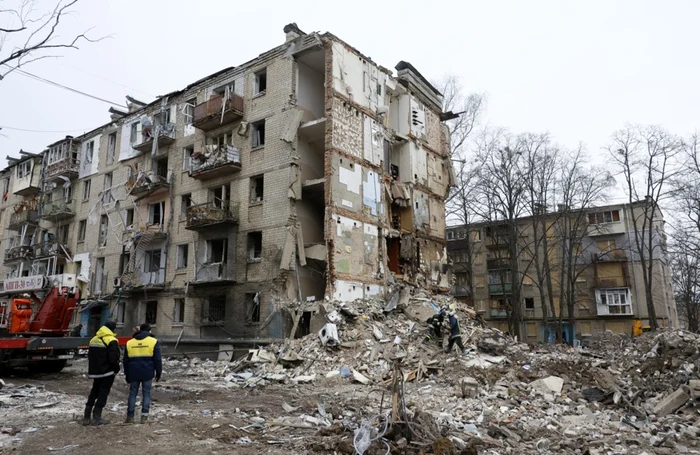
(468,387)
(672,402)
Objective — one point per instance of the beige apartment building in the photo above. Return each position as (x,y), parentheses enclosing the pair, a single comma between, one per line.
(609,286)
(309,172)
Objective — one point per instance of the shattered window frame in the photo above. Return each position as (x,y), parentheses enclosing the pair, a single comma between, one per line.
(261,82)
(179,311)
(188,112)
(111,147)
(151,312)
(252,308)
(214,309)
(181,261)
(254,246)
(257,189)
(258,134)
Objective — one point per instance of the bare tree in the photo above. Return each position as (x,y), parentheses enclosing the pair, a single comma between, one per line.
(685,262)
(29,34)
(647,159)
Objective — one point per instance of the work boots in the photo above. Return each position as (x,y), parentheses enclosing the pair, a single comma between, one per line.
(129,419)
(97,417)
(86,416)
(144,419)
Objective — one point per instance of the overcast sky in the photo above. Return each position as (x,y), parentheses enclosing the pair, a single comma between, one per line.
(578,70)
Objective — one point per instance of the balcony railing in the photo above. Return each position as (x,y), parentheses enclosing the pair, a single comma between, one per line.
(19,253)
(208,214)
(211,272)
(154,277)
(498,264)
(217,111)
(500,288)
(24,212)
(66,167)
(146,183)
(499,313)
(57,210)
(164,132)
(51,248)
(215,161)
(610,256)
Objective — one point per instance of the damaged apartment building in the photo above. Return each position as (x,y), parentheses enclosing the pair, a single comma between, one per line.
(309,172)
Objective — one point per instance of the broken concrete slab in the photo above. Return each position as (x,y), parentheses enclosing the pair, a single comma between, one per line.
(550,384)
(672,403)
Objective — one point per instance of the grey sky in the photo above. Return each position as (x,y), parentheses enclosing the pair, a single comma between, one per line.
(579,70)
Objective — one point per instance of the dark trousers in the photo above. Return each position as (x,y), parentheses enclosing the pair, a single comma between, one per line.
(455,340)
(99,392)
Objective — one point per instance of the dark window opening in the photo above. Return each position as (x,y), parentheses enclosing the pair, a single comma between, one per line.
(129,217)
(260,81)
(257,185)
(162,168)
(529,303)
(259,134)
(179,311)
(254,245)
(215,309)
(252,307)
(217,250)
(151,311)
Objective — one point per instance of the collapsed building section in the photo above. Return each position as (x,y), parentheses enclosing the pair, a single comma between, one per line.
(307,173)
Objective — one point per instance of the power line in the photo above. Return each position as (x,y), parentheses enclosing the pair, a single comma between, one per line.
(4,127)
(70,89)
(106,79)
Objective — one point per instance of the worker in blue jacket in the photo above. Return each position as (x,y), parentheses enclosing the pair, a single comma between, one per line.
(455,333)
(142,363)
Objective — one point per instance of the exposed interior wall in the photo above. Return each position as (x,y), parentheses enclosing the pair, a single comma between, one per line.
(89,166)
(310,91)
(310,159)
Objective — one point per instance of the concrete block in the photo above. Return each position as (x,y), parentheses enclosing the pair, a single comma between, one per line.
(671,403)
(550,384)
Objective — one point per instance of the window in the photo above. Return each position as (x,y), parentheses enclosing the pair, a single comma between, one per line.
(254,245)
(261,81)
(529,303)
(217,250)
(111,147)
(89,152)
(86,190)
(162,168)
(107,189)
(182,251)
(185,203)
(133,137)
(462,234)
(67,193)
(219,196)
(99,275)
(189,110)
(179,311)
(62,234)
(480,281)
(257,185)
(222,91)
(121,307)
(214,309)
(123,261)
(151,261)
(614,302)
(252,307)
(478,258)
(187,158)
(606,246)
(24,169)
(476,236)
(610,216)
(151,312)
(155,212)
(222,140)
(104,228)
(129,217)
(450,235)
(258,133)
(5,186)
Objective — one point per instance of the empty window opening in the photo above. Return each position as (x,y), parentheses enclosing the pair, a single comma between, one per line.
(104,230)
(252,307)
(151,312)
(129,217)
(179,311)
(217,250)
(219,196)
(254,245)
(111,147)
(182,252)
(257,185)
(261,81)
(162,168)
(62,234)
(258,133)
(82,227)
(187,157)
(123,262)
(152,260)
(185,203)
(529,303)
(86,190)
(189,110)
(107,189)
(215,309)
(155,213)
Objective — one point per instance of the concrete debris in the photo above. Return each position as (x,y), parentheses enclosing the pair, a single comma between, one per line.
(671,403)
(548,385)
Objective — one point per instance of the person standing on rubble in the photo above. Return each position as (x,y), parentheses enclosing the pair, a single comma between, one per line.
(103,366)
(455,333)
(435,323)
(142,363)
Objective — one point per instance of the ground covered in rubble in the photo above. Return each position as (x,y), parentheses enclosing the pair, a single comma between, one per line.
(381,390)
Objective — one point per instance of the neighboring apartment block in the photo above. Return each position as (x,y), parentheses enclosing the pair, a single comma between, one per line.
(609,287)
(308,172)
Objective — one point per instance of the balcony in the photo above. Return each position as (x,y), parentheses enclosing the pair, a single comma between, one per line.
(19,253)
(23,213)
(610,256)
(506,288)
(460,291)
(213,272)
(498,264)
(215,161)
(51,248)
(57,210)
(165,133)
(66,167)
(216,112)
(499,313)
(155,278)
(611,228)
(205,215)
(147,183)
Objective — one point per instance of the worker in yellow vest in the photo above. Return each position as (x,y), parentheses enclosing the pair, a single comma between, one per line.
(142,363)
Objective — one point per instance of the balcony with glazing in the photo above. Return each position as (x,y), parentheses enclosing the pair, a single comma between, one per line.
(218,111)
(209,214)
(67,167)
(144,183)
(215,161)
(160,135)
(19,253)
(57,210)
(51,247)
(22,213)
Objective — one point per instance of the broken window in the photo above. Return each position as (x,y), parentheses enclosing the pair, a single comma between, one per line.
(217,250)
(111,147)
(124,261)
(107,189)
(258,133)
(104,229)
(162,168)
(185,203)
(614,301)
(187,157)
(152,260)
(450,235)
(86,190)
(89,152)
(24,169)
(67,193)
(476,236)
(82,227)
(182,251)
(155,213)
(387,156)
(151,312)
(256,188)
(179,311)
(252,307)
(219,196)
(189,111)
(261,81)
(133,137)
(5,186)
(129,217)
(529,303)
(99,275)
(120,310)
(254,245)
(62,234)
(214,309)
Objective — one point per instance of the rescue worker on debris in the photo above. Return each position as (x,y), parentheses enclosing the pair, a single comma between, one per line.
(435,323)
(142,362)
(103,366)
(455,333)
